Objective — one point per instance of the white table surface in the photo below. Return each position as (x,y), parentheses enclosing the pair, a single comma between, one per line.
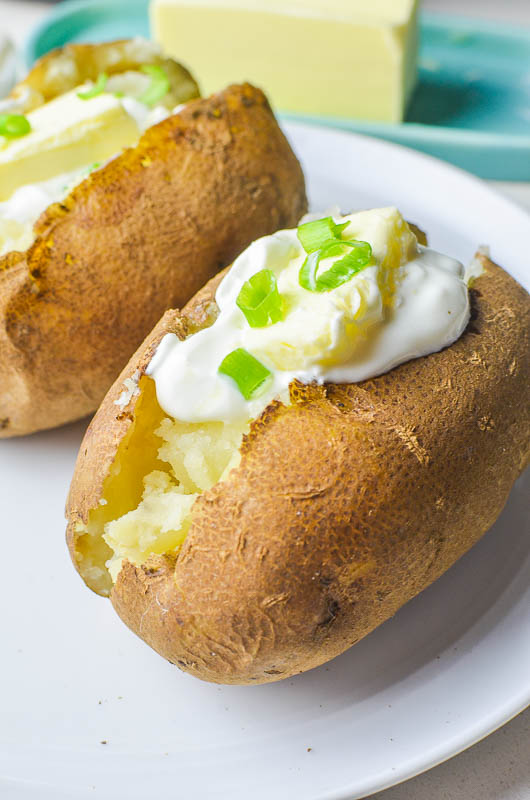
(498,768)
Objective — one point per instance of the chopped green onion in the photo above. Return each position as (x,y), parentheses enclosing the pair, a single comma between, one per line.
(14,125)
(158,87)
(312,235)
(119,94)
(259,299)
(96,89)
(91,168)
(245,370)
(340,272)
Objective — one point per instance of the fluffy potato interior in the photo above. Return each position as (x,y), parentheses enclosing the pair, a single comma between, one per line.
(161,467)
(194,458)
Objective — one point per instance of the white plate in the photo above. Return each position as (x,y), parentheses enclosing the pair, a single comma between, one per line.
(446,670)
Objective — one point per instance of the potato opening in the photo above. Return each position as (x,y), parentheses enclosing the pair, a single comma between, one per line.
(161,467)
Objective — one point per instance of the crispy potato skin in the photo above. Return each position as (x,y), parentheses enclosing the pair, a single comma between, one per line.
(346,504)
(138,236)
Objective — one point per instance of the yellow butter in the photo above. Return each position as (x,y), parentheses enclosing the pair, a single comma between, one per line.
(14,235)
(346,58)
(67,133)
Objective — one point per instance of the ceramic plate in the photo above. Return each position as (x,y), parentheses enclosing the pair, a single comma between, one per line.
(89,711)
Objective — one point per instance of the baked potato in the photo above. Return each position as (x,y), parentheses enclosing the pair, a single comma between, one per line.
(341,502)
(137,235)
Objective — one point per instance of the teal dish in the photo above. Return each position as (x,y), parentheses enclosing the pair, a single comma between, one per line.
(471,106)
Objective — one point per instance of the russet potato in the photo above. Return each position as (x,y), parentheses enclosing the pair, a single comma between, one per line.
(338,507)
(141,234)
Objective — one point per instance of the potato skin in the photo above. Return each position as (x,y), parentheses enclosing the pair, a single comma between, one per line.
(138,236)
(346,504)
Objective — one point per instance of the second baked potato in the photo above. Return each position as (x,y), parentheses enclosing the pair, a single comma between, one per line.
(137,235)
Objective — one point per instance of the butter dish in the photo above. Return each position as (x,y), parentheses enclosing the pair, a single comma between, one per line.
(471,105)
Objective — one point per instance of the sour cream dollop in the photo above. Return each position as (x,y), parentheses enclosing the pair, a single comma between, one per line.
(409,302)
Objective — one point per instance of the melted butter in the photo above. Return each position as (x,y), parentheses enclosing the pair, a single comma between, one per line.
(20,211)
(26,204)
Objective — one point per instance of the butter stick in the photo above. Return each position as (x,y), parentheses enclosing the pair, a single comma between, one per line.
(344,58)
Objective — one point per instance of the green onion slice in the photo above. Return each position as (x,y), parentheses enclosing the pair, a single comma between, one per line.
(91,168)
(96,89)
(313,235)
(14,125)
(259,299)
(158,87)
(245,370)
(340,272)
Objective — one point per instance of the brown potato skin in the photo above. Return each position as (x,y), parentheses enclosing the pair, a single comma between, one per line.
(345,505)
(138,236)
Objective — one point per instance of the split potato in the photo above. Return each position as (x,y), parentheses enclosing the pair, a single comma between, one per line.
(138,235)
(327,516)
